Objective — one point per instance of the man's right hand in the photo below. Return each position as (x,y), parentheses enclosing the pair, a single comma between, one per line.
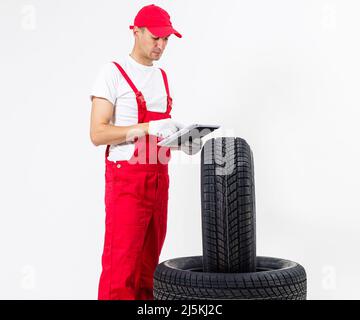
(163,128)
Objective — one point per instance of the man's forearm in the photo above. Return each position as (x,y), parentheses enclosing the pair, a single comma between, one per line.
(110,134)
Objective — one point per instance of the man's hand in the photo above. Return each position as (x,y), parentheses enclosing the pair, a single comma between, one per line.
(163,128)
(189,148)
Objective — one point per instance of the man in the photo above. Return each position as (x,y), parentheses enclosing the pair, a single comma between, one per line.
(131,107)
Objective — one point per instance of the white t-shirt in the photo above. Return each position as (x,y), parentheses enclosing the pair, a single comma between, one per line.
(111,85)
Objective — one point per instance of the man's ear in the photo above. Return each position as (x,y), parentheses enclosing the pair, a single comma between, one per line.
(136,30)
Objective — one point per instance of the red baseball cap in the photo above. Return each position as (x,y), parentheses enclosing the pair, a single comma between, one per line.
(156,20)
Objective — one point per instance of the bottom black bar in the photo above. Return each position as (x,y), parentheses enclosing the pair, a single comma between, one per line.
(174,310)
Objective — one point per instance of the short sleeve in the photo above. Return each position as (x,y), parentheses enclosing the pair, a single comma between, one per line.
(105,85)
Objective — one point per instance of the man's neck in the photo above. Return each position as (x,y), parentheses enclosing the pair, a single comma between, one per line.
(140,59)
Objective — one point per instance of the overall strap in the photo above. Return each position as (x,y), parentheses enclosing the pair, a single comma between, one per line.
(140,100)
(128,80)
(165,81)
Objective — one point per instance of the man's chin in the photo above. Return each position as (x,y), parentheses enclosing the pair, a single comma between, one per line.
(155,57)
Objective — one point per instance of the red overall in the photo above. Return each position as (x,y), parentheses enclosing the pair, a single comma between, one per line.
(136,199)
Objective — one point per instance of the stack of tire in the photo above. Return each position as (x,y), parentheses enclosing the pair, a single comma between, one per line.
(229,267)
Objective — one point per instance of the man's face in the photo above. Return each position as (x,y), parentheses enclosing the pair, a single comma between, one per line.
(151,46)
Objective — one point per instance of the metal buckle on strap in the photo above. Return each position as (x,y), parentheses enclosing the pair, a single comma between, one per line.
(140,97)
(169,100)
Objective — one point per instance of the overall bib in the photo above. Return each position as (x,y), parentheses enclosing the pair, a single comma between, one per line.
(136,200)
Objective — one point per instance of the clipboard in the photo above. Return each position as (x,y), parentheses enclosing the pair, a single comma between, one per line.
(187,134)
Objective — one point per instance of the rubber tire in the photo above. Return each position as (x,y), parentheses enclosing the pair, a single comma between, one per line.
(228,206)
(184,279)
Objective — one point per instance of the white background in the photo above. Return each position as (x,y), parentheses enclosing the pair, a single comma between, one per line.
(284,75)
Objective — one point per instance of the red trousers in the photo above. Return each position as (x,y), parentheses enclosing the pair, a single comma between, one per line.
(136,199)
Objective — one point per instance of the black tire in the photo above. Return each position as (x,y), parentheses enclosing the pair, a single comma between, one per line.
(184,279)
(228,206)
